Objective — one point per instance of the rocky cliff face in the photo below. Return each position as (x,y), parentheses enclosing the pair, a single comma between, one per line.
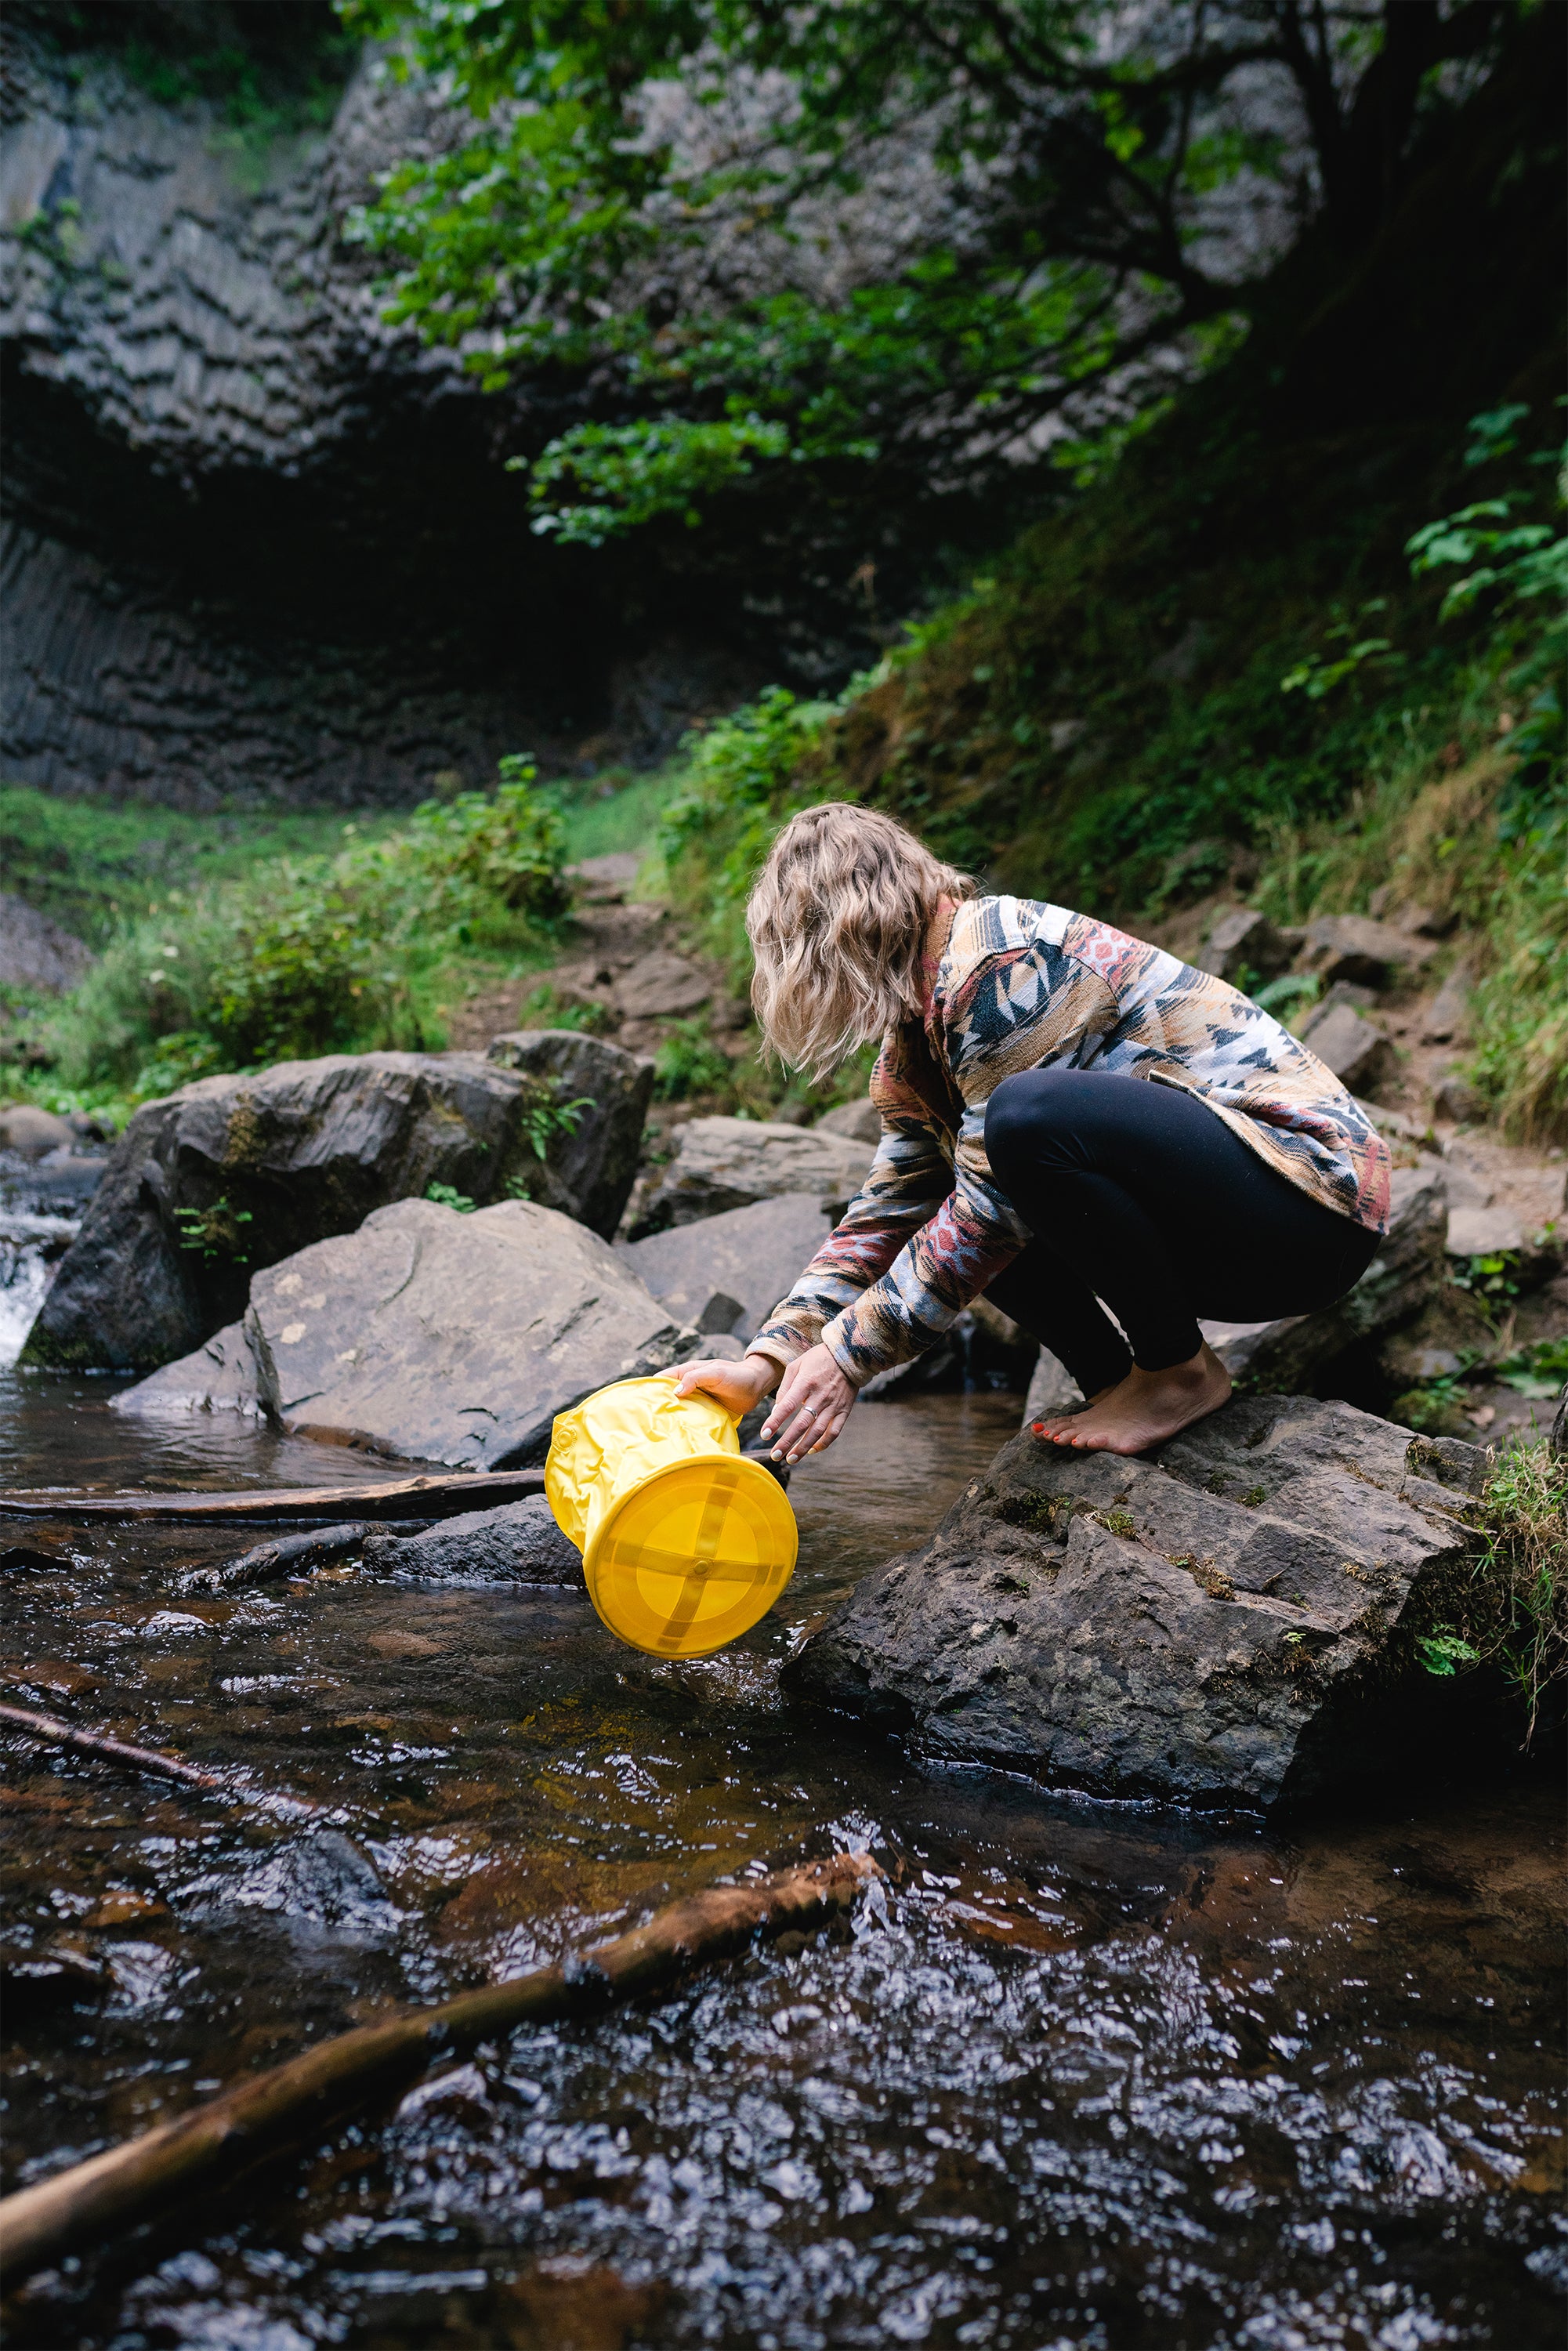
(259,544)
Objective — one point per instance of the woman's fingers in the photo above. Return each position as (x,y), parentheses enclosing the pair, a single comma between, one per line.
(827,1435)
(731,1384)
(805,1427)
(813,1405)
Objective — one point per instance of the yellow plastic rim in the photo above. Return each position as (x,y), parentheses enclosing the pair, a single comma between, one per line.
(693,1556)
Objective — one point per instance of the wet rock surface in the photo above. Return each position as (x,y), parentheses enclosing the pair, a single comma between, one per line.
(430,1335)
(1228,1620)
(518,1543)
(233,1174)
(732,1163)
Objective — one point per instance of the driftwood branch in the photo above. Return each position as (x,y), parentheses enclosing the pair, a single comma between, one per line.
(51,1731)
(79,2208)
(404,1497)
(289,1555)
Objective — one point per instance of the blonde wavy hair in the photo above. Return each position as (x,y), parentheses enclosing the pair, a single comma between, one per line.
(837,920)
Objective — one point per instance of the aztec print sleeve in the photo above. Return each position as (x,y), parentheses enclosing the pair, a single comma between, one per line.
(910,1176)
(1005,1005)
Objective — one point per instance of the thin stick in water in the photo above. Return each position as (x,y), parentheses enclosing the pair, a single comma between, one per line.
(51,1731)
(78,2209)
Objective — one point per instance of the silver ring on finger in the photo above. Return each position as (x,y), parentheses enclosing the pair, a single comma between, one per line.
(809,1411)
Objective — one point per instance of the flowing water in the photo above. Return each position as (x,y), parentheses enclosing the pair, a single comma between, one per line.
(1084,2074)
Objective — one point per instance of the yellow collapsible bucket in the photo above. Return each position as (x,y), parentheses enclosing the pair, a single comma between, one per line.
(685,1543)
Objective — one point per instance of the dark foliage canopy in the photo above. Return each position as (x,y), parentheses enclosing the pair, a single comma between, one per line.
(868,256)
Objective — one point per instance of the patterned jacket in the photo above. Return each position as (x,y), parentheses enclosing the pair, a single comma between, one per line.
(1024,985)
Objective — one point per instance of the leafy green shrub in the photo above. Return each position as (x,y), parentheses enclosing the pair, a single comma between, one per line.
(314,955)
(545,1009)
(1512,1609)
(215,1232)
(448,1196)
(506,846)
(689,1062)
(1540,1371)
(743,776)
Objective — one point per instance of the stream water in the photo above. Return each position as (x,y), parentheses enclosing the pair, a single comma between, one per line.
(1085,2075)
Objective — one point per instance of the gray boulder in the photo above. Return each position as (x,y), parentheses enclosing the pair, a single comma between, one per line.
(1229,1620)
(37,953)
(1360,1056)
(1354,946)
(28,1133)
(730,1163)
(746,1257)
(431,1335)
(237,1172)
(1454,1097)
(518,1543)
(660,987)
(1244,942)
(589,1168)
(1447,1020)
(860,1121)
(1052,1388)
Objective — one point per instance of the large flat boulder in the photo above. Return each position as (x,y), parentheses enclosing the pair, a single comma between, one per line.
(589,1166)
(731,1163)
(1228,1620)
(430,1335)
(233,1174)
(746,1257)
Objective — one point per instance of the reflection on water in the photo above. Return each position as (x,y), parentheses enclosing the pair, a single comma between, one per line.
(1086,2075)
(59,1430)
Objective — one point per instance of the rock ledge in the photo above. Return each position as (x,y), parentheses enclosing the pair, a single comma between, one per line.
(1228,1621)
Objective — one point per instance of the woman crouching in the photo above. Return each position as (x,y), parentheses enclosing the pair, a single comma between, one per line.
(1068,1116)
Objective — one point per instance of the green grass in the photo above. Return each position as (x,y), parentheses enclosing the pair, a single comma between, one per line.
(1509,1610)
(289,937)
(617,811)
(94,865)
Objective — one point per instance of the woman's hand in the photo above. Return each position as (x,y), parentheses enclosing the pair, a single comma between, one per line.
(737,1386)
(814,1401)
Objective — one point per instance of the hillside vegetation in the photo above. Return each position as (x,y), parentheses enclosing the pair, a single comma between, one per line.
(1246,663)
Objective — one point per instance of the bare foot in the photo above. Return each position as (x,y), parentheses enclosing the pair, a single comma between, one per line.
(1142,1409)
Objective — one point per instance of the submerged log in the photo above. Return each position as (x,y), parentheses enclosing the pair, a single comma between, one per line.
(77,2209)
(290,1555)
(51,1731)
(426,1498)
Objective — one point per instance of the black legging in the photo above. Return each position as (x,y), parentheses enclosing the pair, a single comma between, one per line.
(1139,1195)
